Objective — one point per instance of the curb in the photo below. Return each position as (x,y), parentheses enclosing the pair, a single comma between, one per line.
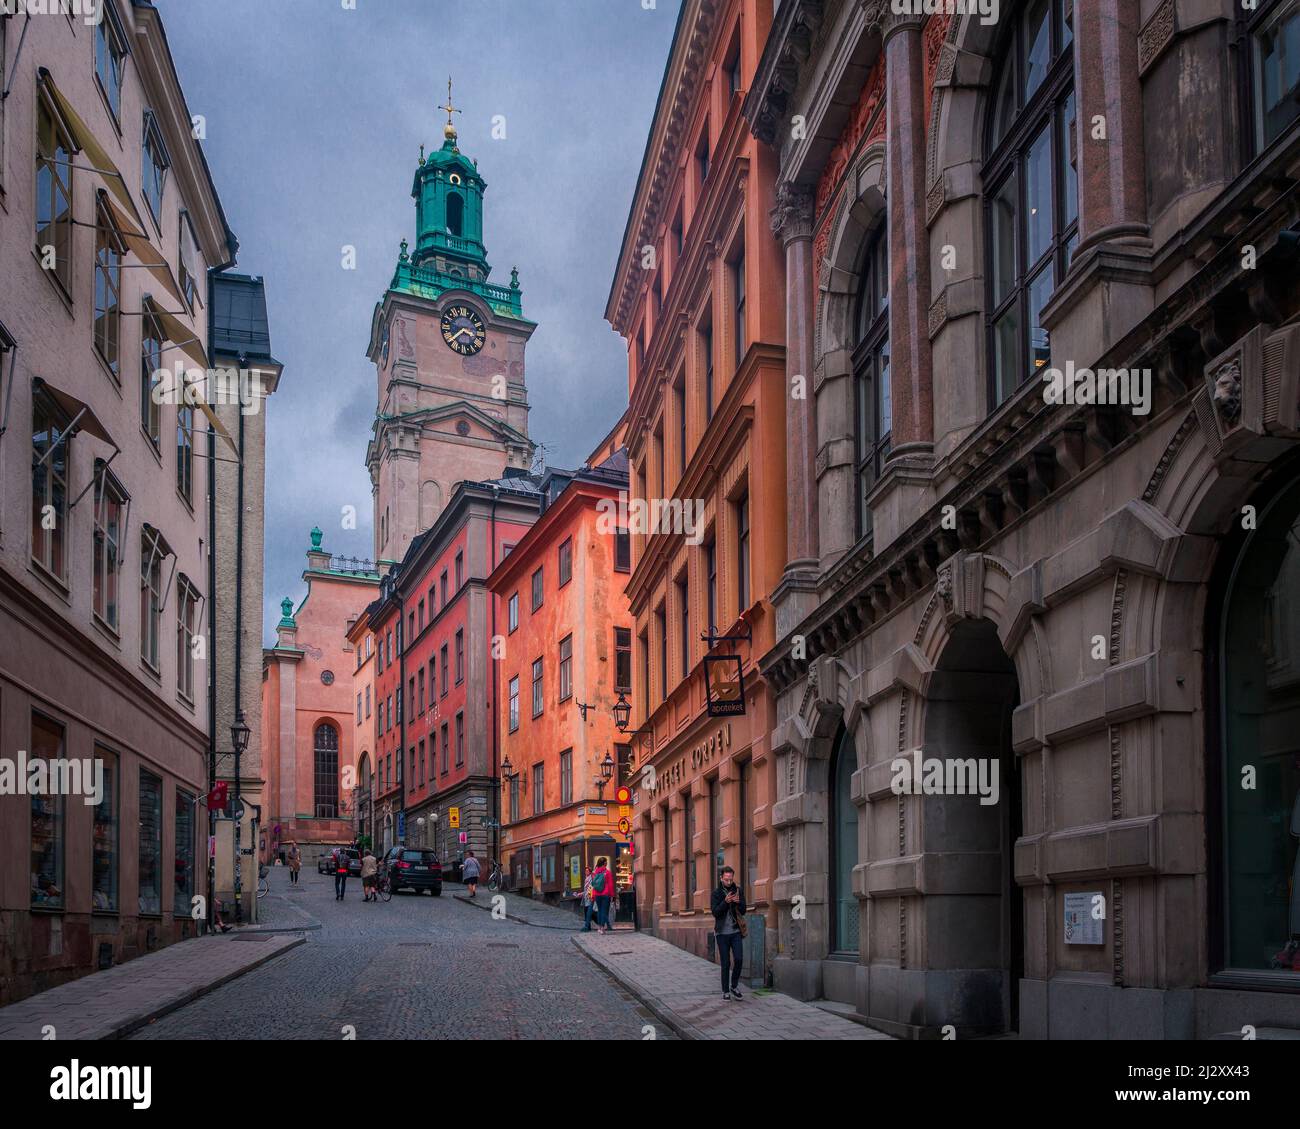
(524,921)
(661,1010)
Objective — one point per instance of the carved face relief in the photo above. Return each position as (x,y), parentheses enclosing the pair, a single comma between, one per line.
(1227,392)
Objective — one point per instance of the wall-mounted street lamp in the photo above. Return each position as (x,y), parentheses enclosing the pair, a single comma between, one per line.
(239,735)
(606,771)
(622,711)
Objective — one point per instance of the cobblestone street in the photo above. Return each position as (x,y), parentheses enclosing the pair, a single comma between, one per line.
(416,967)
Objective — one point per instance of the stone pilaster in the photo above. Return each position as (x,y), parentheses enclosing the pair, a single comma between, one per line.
(792,223)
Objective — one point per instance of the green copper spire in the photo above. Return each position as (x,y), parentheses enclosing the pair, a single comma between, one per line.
(286,613)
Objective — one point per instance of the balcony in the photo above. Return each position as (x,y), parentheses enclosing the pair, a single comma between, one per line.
(430,283)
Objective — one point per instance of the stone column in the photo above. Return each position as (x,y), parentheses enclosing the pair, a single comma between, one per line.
(792,223)
(1112,177)
(909,269)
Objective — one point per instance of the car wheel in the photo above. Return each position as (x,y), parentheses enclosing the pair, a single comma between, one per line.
(436,891)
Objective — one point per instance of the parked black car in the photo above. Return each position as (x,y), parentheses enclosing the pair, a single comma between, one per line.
(325,864)
(413,868)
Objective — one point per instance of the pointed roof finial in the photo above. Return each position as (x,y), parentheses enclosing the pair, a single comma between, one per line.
(449,130)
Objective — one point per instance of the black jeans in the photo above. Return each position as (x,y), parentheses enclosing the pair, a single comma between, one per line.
(340,885)
(731,947)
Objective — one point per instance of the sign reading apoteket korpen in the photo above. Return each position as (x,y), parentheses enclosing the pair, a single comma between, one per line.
(1085,918)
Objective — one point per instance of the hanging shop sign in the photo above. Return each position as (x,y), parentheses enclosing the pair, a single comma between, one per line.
(724,682)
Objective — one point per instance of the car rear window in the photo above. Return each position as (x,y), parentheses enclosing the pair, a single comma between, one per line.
(425,857)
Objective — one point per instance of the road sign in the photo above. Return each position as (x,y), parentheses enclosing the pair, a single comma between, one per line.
(623,795)
(453,819)
(625,810)
(401,825)
(624,825)
(464,837)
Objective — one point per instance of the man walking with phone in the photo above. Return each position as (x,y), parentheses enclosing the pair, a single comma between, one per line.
(728,906)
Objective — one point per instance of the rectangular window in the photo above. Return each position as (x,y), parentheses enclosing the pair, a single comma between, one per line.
(110,517)
(748,838)
(702,157)
(688,815)
(460,569)
(410,776)
(445,746)
(711,582)
(110,61)
(460,657)
(358,707)
(537,589)
(445,668)
(566,777)
(715,861)
(421,691)
(661,631)
(151,339)
(103,843)
(706,346)
(566,561)
(514,798)
(50,457)
(623,763)
(738,321)
(645,667)
(151,857)
(679,410)
(566,668)
(537,687)
(684,625)
(422,762)
(622,550)
(183,840)
(514,703)
(49,844)
(410,626)
(367,701)
(433,681)
(188,260)
(731,71)
(421,607)
(742,553)
(512,613)
(151,558)
(185,447)
(623,659)
(187,610)
(539,793)
(1277,72)
(53,193)
(460,739)
(155,165)
(442,583)
(109,249)
(411,699)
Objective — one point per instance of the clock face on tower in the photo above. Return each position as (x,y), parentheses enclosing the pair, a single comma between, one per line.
(462,329)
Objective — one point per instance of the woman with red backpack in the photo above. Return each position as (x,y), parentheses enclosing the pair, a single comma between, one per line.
(602,888)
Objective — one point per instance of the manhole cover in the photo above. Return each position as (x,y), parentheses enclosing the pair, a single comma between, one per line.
(620,953)
(251,937)
(500,945)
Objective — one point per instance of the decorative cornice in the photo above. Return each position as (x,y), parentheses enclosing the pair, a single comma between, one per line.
(787,50)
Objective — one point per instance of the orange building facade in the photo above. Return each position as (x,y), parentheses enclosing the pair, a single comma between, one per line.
(308,715)
(565,640)
(698,294)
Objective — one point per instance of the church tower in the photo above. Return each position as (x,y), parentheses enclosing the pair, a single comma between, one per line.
(448,349)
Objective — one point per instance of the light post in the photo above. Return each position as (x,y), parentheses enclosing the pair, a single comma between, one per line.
(239,734)
(606,771)
(433,816)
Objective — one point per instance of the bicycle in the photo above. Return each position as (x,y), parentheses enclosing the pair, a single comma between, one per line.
(496,880)
(263,882)
(382,887)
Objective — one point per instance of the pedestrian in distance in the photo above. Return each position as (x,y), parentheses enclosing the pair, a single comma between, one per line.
(602,887)
(295,863)
(340,873)
(370,876)
(470,872)
(588,902)
(728,906)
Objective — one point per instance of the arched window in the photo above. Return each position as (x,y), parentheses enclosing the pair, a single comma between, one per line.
(455,213)
(1259,686)
(1031,191)
(326,775)
(873,402)
(844,847)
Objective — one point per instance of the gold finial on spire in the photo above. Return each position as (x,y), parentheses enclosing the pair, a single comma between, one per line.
(449,130)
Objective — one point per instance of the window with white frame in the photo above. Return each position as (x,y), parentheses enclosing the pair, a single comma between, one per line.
(110,59)
(50,461)
(110,524)
(187,614)
(152,552)
(155,164)
(109,249)
(53,192)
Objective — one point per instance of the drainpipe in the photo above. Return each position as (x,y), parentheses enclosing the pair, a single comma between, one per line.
(212,656)
(495,784)
(239,649)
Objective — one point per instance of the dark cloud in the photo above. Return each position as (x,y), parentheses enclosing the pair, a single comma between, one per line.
(315,117)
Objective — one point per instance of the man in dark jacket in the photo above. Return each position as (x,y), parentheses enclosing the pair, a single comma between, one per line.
(728,906)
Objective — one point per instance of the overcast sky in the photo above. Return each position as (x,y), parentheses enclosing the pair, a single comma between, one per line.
(315,118)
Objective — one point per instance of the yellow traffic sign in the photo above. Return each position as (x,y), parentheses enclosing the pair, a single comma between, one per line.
(453,818)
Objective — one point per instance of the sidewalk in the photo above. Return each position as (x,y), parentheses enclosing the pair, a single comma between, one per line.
(529,911)
(685,992)
(113,1003)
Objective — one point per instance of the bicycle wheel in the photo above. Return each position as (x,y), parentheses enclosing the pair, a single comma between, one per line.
(384,889)
(263,887)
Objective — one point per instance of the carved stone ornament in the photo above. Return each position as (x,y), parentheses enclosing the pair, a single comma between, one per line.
(943,586)
(1227,392)
(793,215)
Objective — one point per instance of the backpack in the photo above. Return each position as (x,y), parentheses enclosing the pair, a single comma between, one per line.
(598,882)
